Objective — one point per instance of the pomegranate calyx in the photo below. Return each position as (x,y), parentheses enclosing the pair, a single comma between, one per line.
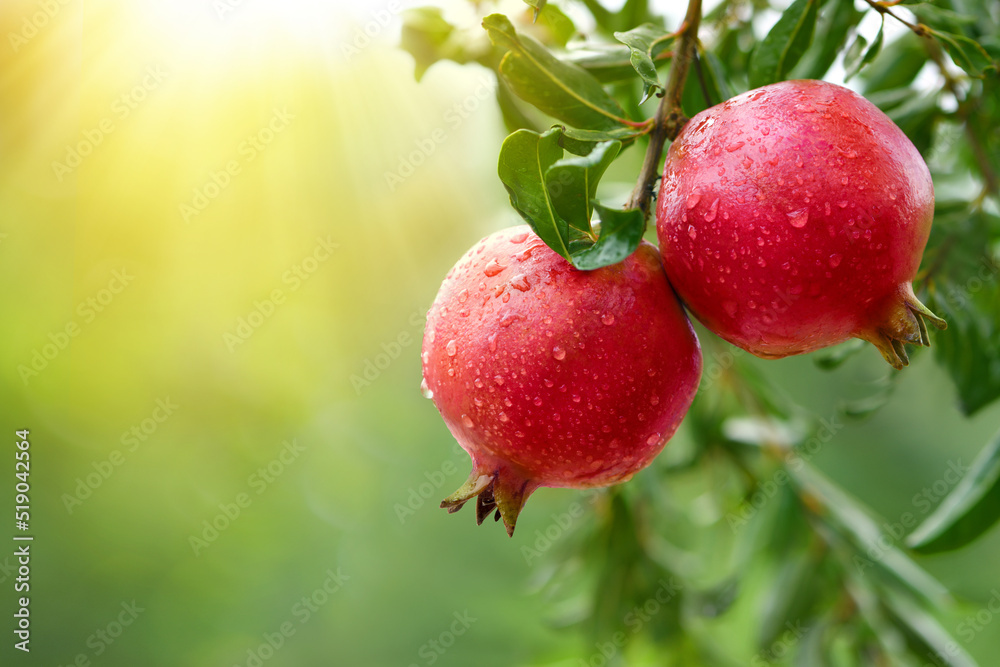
(903,322)
(501,490)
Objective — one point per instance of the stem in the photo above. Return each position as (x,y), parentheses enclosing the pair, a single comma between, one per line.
(669,118)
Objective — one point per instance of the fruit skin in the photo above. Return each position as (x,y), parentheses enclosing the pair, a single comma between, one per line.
(551,376)
(793,217)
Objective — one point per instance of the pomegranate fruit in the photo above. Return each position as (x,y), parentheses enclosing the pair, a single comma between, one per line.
(551,376)
(793,217)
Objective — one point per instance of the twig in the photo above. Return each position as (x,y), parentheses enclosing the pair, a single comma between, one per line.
(669,118)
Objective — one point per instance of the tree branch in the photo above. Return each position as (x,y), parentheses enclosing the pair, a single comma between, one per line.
(669,118)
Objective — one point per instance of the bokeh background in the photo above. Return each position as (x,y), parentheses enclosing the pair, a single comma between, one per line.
(199,191)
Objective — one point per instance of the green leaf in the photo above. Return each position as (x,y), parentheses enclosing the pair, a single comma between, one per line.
(558,25)
(972,507)
(426,35)
(903,60)
(853,54)
(525,156)
(833,25)
(537,5)
(967,53)
(572,183)
(874,551)
(784,45)
(641,41)
(869,56)
(581,142)
(794,594)
(970,347)
(560,89)
(621,232)
(924,630)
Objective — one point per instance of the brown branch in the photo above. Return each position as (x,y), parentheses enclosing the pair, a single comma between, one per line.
(669,118)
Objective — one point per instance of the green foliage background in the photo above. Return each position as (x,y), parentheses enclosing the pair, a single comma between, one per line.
(579,564)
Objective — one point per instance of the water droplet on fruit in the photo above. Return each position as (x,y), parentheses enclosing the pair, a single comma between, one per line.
(519,434)
(835,260)
(735,146)
(503,417)
(467,421)
(451,372)
(479,383)
(538,400)
(576,398)
(654,400)
(799,218)
(463,296)
(451,348)
(712,210)
(693,200)
(493,268)
(730,307)
(549,383)
(520,282)
(558,353)
(653,439)
(842,203)
(498,379)
(845,180)
(761,262)
(519,238)
(506,297)
(430,336)
(507,402)
(424,389)
(692,232)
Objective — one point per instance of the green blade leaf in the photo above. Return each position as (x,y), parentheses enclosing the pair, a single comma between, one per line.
(621,232)
(641,41)
(612,63)
(537,5)
(560,89)
(525,156)
(784,45)
(972,507)
(572,183)
(853,522)
(856,66)
(833,25)
(924,629)
(967,53)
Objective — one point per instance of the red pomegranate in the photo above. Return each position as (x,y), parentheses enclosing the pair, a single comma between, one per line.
(551,376)
(794,217)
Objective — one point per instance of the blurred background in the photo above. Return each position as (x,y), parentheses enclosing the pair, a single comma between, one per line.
(221,224)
